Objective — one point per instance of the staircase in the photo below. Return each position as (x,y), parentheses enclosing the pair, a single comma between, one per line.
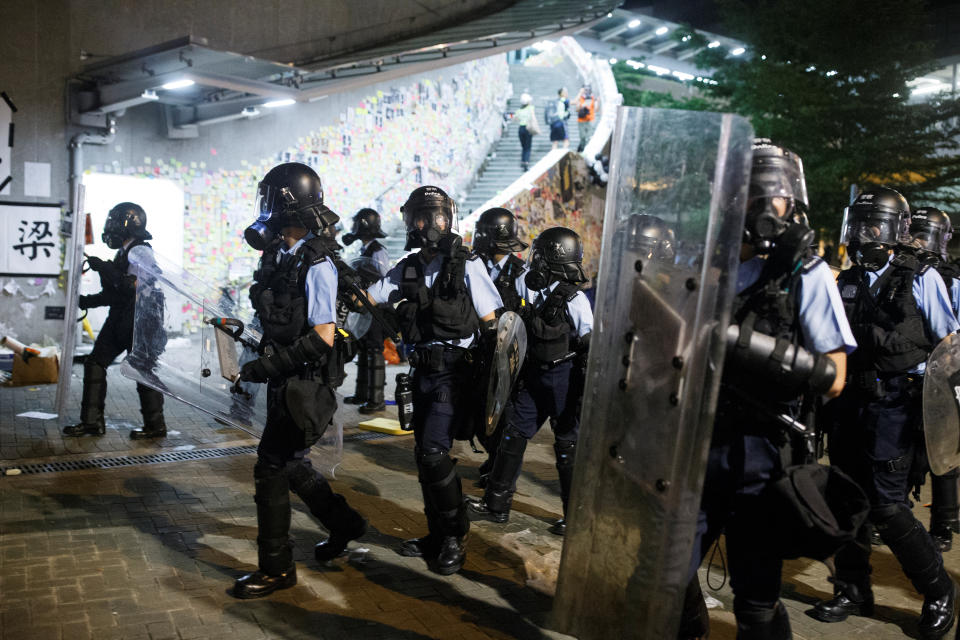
(502,167)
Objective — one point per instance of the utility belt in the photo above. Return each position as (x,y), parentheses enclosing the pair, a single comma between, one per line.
(875,384)
(440,357)
(552,364)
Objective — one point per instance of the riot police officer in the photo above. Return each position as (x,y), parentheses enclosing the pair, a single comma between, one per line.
(294,295)
(930,232)
(496,241)
(786,292)
(551,383)
(447,310)
(899,309)
(124,230)
(371,368)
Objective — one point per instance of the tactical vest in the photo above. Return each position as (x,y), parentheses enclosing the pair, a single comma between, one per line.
(127,294)
(443,311)
(549,327)
(949,272)
(371,249)
(279,290)
(506,283)
(886,321)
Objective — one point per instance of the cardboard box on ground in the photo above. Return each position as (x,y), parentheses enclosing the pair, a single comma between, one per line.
(35,370)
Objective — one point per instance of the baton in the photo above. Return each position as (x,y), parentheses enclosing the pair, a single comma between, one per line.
(350,278)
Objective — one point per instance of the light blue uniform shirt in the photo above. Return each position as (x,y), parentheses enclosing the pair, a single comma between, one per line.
(482,291)
(581,315)
(494,268)
(823,322)
(321,287)
(934,303)
(955,296)
(380,258)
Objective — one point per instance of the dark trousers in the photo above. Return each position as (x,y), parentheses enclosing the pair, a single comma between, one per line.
(526,143)
(115,337)
(282,466)
(873,440)
(544,394)
(739,469)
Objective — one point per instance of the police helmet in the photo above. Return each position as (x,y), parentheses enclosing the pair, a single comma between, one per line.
(125,221)
(930,230)
(290,195)
(366,226)
(430,215)
(878,216)
(650,237)
(777,172)
(496,232)
(556,254)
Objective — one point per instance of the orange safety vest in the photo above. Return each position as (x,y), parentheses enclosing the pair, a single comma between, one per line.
(592,108)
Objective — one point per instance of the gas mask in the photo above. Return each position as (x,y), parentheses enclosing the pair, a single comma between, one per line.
(538,276)
(764,224)
(350,238)
(872,256)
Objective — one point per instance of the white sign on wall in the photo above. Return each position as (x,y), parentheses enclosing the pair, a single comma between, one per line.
(30,242)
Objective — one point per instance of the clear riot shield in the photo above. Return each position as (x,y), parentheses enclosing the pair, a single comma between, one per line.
(654,371)
(508,357)
(72,261)
(941,406)
(189,340)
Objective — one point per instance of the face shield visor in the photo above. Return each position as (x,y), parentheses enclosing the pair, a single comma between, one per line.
(931,238)
(863,227)
(271,204)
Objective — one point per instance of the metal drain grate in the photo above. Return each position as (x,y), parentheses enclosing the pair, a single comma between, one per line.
(157,458)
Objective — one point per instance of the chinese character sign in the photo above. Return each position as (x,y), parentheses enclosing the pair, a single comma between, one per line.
(30,239)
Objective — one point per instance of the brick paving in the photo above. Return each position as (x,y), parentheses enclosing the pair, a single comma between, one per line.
(150,551)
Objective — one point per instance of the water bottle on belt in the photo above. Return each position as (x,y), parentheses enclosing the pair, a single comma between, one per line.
(404,398)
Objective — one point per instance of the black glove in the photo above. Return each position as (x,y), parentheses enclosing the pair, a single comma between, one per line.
(96,263)
(253,371)
(86,302)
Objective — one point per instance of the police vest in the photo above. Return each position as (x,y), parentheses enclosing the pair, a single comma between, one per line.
(126,295)
(886,321)
(279,290)
(506,283)
(371,249)
(949,272)
(442,311)
(550,326)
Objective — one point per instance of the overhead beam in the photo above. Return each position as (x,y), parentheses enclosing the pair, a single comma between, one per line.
(665,46)
(689,53)
(646,36)
(610,34)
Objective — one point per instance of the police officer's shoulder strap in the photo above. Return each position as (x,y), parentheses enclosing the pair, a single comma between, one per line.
(810,262)
(556,302)
(511,270)
(371,249)
(412,282)
(314,251)
(450,280)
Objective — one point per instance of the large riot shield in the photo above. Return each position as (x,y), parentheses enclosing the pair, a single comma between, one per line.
(72,261)
(653,372)
(188,342)
(941,406)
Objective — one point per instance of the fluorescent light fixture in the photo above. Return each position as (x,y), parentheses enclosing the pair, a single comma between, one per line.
(929,88)
(896,95)
(178,84)
(714,44)
(830,73)
(685,38)
(613,61)
(633,24)
(682,76)
(737,51)
(149,94)
(661,31)
(609,15)
(279,103)
(250,112)
(811,68)
(763,57)
(658,70)
(635,64)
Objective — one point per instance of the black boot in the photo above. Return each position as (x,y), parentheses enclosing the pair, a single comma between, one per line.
(848,599)
(151,407)
(376,379)
(274,550)
(498,496)
(427,546)
(938,614)
(360,394)
(763,624)
(91,402)
(442,487)
(944,516)
(331,509)
(565,450)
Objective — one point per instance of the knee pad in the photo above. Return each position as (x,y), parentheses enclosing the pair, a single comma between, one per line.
(301,475)
(513,441)
(892,519)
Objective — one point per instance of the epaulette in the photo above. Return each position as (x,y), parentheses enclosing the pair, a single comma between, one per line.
(923,269)
(568,290)
(903,260)
(810,262)
(315,250)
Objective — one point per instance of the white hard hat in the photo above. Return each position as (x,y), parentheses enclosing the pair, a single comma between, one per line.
(526,98)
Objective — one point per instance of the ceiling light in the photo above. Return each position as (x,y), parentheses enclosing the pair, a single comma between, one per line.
(661,31)
(737,51)
(279,103)
(613,61)
(250,112)
(633,24)
(178,84)
(658,70)
(714,44)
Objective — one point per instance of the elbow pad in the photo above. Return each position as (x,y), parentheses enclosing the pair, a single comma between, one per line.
(787,366)
(310,350)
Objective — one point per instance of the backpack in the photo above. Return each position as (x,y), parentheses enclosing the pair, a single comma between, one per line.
(550,114)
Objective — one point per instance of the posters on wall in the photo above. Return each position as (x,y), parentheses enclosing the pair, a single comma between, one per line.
(30,242)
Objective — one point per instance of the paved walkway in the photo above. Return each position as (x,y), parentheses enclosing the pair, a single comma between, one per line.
(149,551)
